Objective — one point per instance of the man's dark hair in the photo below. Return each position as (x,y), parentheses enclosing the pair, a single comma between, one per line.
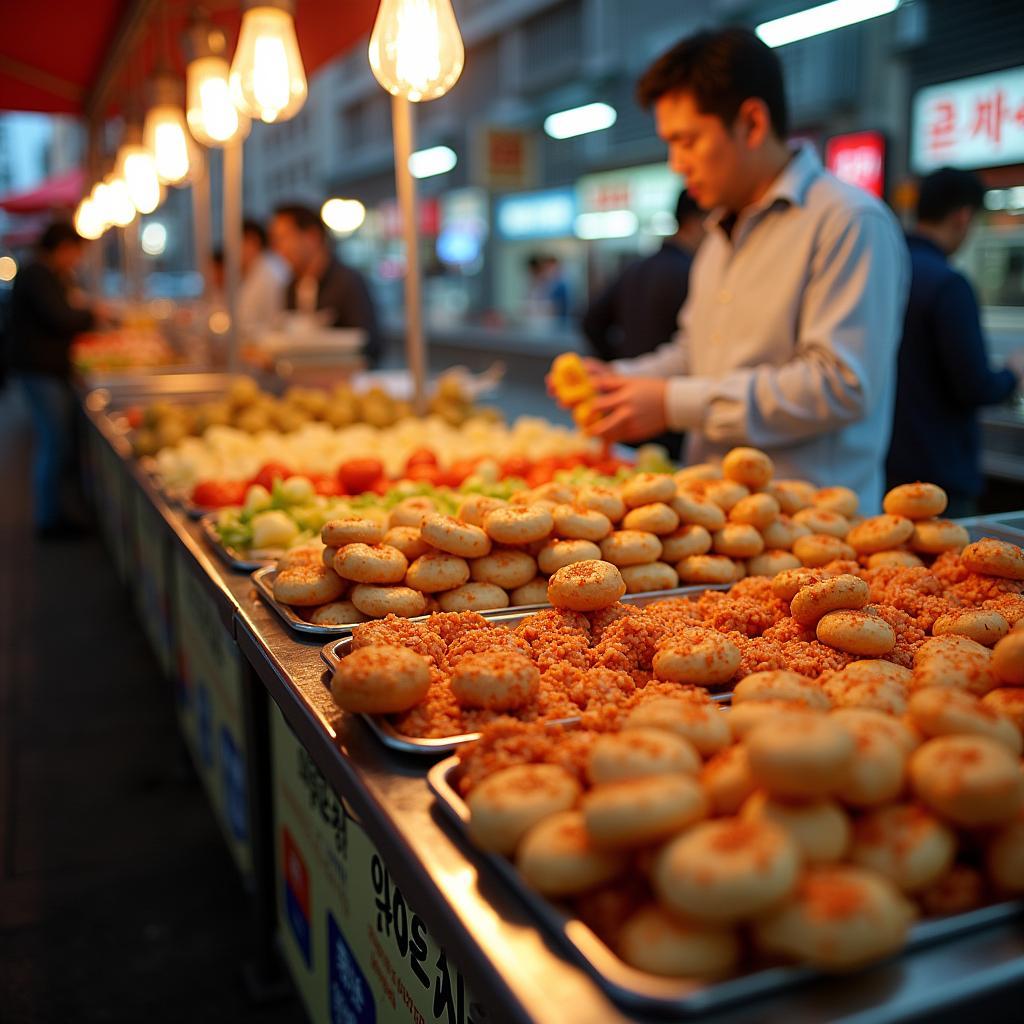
(58,234)
(686,208)
(720,69)
(254,227)
(304,218)
(946,190)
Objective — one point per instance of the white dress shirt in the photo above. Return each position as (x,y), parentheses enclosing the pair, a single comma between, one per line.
(261,294)
(789,334)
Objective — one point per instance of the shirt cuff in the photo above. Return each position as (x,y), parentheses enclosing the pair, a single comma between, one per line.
(686,403)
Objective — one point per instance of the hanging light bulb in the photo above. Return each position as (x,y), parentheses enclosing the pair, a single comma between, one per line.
(212,115)
(165,134)
(88,222)
(118,209)
(267,77)
(416,49)
(136,167)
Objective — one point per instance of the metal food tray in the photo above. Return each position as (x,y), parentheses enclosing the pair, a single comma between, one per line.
(244,562)
(638,991)
(333,652)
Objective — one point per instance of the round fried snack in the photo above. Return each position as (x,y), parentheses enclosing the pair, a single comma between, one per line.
(880,533)
(686,541)
(702,724)
(837,499)
(699,657)
(518,524)
(981,625)
(955,661)
(1004,856)
(792,495)
(707,569)
(968,780)
(788,583)
(586,586)
(504,567)
(366,563)
(645,488)
(757,510)
(557,858)
(821,520)
(603,500)
(771,563)
(994,558)
(1008,701)
(817,549)
(699,471)
(906,844)
(308,586)
(800,756)
(838,918)
(779,684)
(495,680)
(475,507)
(534,592)
(899,558)
(575,523)
(725,493)
(506,805)
(376,602)
(856,632)
(916,501)
(637,812)
(726,870)
(783,534)
(307,554)
(557,554)
(881,723)
(630,547)
(933,536)
(639,752)
(1008,659)
(642,579)
(655,941)
(407,539)
(943,711)
(380,680)
(820,828)
(817,599)
(411,512)
(877,691)
(727,780)
(695,510)
(745,717)
(473,597)
(878,771)
(656,517)
(748,466)
(737,540)
(337,613)
(446,533)
(336,533)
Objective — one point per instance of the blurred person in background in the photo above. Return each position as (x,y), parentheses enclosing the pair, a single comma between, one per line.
(320,282)
(547,296)
(264,276)
(638,310)
(788,336)
(47,311)
(944,375)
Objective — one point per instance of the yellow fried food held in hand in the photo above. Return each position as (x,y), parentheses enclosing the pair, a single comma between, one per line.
(570,380)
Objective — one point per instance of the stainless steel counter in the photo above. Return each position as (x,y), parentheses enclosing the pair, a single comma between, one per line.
(509,965)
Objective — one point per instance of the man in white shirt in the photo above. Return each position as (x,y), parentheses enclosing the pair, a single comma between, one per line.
(788,337)
(264,276)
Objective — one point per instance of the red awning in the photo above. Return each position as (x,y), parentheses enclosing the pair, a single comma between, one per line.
(58,193)
(52,54)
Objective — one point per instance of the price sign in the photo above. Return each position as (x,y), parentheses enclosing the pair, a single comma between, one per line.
(357,948)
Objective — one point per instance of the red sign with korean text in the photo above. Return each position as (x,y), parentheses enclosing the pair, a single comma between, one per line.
(859,159)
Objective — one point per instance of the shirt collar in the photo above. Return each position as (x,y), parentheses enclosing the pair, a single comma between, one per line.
(913,238)
(790,185)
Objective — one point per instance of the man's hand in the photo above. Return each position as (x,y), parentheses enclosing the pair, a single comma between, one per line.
(630,408)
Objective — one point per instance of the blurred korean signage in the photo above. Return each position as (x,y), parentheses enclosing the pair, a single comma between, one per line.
(548,214)
(972,122)
(649,191)
(505,159)
(859,159)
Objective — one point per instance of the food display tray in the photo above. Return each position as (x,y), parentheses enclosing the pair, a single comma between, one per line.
(264,580)
(244,561)
(383,728)
(638,991)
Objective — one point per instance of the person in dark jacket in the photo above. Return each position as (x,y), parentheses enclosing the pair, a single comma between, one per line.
(639,310)
(319,280)
(45,316)
(944,375)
